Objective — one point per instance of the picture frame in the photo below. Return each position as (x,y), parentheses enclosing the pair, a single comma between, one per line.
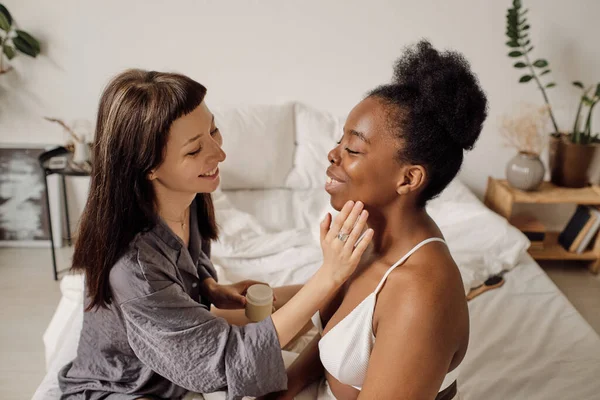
(23,206)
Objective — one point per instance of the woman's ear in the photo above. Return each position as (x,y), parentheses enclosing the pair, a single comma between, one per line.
(413,177)
(151,175)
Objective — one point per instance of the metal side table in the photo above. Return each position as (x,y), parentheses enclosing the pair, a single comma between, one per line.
(44,160)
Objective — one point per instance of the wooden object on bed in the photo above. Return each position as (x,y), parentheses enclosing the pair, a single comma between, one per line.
(484,288)
(501,197)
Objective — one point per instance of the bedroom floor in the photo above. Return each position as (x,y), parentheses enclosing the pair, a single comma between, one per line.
(29,296)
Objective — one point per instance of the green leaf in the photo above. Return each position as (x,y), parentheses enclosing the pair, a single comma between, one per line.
(4,11)
(4,23)
(31,41)
(550,85)
(598,90)
(522,13)
(515,54)
(587,101)
(540,63)
(517,3)
(513,43)
(10,52)
(545,72)
(520,65)
(529,49)
(526,27)
(578,84)
(525,78)
(24,47)
(526,42)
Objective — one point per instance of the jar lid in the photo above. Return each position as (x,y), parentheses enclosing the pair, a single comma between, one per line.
(260,294)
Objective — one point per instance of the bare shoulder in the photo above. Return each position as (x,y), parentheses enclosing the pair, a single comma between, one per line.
(428,287)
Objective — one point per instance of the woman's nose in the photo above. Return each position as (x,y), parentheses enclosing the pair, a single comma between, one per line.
(333,156)
(217,153)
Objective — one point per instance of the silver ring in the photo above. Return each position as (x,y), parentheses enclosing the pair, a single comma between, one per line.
(343,236)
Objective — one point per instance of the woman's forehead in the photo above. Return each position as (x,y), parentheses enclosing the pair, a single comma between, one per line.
(369,118)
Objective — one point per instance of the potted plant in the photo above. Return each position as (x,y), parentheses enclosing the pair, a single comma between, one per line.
(570,154)
(14,41)
(526,132)
(576,150)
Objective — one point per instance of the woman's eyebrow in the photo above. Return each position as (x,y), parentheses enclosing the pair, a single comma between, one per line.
(191,140)
(360,135)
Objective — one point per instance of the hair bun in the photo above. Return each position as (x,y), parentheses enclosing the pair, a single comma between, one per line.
(446,91)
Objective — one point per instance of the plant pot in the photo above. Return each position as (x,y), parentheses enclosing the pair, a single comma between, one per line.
(81,155)
(573,163)
(554,158)
(525,171)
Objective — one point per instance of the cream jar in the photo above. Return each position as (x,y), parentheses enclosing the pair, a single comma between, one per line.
(259,302)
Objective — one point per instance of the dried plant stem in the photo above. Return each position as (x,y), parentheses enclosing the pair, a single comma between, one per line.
(66,127)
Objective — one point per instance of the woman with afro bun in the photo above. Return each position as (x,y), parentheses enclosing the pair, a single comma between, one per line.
(399,327)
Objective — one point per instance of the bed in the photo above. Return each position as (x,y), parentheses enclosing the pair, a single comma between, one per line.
(527,340)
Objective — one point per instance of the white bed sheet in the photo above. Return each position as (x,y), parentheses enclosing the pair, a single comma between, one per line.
(529,342)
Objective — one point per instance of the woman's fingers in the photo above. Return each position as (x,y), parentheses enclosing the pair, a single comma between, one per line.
(356,230)
(339,220)
(350,222)
(362,246)
(325,224)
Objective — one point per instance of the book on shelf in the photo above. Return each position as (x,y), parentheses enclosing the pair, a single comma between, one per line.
(580,230)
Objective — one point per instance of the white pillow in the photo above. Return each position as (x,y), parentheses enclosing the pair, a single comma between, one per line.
(259,142)
(316,134)
(469,226)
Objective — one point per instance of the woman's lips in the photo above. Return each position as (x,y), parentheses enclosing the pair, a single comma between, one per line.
(210,175)
(332,185)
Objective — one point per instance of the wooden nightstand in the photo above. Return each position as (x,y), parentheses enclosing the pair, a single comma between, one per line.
(500,197)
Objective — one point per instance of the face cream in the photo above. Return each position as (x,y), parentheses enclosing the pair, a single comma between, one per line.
(259,302)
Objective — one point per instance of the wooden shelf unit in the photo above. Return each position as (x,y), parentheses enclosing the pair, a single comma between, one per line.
(501,197)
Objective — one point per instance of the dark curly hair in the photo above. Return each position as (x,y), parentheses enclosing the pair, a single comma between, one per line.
(436,108)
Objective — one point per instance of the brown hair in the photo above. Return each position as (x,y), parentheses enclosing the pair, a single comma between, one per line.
(135,114)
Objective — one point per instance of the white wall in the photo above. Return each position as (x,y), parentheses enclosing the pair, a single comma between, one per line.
(324,53)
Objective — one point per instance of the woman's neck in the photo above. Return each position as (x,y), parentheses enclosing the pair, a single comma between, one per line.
(398,229)
(173,207)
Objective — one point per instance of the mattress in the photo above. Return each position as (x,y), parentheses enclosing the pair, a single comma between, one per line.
(528,342)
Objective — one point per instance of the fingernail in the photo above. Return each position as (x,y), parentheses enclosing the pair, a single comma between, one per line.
(359,203)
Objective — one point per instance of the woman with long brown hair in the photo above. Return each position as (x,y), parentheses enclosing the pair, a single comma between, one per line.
(144,246)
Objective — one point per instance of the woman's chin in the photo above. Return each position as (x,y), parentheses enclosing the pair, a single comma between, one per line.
(337,202)
(208,187)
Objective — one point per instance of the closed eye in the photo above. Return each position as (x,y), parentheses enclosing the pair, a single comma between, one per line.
(352,151)
(193,153)
(214,132)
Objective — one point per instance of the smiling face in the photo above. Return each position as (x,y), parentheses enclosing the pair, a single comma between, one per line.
(192,154)
(364,164)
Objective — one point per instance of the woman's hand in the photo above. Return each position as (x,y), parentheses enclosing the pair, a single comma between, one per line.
(341,252)
(228,297)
